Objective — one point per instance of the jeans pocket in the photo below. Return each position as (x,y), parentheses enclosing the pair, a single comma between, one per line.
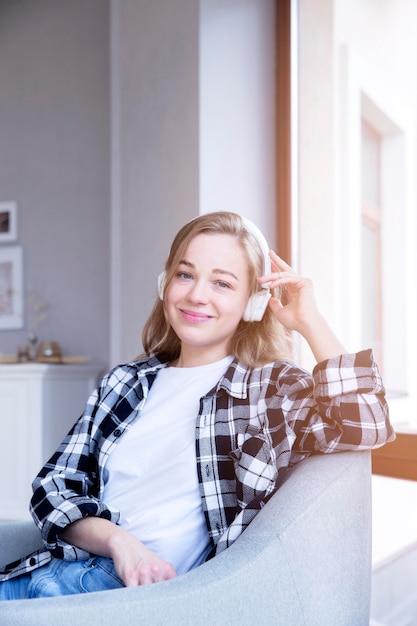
(99,574)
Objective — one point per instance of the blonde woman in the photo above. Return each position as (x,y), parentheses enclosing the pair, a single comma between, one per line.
(178,450)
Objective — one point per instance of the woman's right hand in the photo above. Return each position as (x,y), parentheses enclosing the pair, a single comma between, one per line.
(137,565)
(134,563)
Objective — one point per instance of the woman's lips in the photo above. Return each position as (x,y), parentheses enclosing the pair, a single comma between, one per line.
(194,317)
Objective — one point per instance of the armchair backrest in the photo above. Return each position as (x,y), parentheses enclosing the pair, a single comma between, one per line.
(304,560)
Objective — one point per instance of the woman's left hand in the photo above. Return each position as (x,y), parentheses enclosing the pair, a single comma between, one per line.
(300,312)
(300,307)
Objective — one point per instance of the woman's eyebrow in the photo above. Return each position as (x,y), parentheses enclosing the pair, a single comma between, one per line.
(216,270)
(220,271)
(187,263)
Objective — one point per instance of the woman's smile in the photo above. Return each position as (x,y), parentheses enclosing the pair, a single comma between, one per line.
(194,317)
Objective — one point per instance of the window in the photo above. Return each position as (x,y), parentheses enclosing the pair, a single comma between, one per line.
(383,252)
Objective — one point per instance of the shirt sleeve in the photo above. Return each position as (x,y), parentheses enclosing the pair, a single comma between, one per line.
(67,487)
(342,407)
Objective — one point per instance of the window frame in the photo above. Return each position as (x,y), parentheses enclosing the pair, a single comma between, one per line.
(284,17)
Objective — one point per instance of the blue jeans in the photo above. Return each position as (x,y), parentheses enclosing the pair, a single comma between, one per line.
(60,578)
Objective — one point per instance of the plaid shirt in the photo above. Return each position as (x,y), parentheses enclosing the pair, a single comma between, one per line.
(251,427)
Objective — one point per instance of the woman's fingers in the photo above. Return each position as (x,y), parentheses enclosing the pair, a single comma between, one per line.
(281,274)
(280,279)
(280,264)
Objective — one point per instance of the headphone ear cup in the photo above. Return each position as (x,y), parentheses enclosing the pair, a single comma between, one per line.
(256,306)
(161,285)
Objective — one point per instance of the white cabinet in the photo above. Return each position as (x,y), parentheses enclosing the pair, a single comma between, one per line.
(39,403)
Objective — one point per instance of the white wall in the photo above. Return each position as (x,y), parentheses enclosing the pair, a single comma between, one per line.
(237,109)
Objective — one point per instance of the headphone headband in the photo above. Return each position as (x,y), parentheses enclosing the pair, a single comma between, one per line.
(254,230)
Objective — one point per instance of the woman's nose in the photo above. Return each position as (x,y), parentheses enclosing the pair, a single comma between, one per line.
(198,292)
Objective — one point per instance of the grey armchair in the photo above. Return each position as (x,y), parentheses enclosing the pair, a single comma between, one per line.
(304,560)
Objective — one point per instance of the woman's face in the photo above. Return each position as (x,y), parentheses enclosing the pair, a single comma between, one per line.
(206,297)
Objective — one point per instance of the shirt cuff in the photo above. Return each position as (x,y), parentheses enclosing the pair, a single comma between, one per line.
(53,526)
(346,374)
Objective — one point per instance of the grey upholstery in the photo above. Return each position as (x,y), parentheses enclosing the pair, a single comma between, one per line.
(305,559)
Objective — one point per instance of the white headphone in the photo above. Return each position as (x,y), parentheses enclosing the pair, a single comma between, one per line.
(258,302)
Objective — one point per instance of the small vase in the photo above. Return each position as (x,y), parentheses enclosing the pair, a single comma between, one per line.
(32,346)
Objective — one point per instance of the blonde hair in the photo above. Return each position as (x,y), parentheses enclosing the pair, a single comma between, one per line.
(253,343)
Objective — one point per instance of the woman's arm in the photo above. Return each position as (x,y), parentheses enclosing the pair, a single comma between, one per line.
(134,563)
(68,487)
(344,406)
(341,406)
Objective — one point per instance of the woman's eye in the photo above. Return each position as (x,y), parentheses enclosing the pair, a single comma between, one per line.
(223,285)
(184,275)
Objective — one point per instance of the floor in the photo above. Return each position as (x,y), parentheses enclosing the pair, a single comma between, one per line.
(394,513)
(394,554)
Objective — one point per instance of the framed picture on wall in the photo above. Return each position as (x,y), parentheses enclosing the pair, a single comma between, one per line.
(11,288)
(8,222)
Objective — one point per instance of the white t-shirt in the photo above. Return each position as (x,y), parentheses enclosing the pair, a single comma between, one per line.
(151,476)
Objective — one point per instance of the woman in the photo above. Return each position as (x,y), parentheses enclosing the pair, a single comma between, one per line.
(178,450)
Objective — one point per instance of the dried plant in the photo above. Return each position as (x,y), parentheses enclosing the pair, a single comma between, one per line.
(36,313)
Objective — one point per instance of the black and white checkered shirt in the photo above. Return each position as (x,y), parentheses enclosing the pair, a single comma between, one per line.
(252,426)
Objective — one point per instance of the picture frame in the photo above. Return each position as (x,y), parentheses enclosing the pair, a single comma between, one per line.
(8,222)
(11,288)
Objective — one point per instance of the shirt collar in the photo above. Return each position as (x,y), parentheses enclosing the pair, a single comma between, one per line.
(235,380)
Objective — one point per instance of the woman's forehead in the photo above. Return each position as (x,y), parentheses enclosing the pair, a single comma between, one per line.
(215,244)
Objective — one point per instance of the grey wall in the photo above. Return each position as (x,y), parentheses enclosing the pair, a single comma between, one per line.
(55,163)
